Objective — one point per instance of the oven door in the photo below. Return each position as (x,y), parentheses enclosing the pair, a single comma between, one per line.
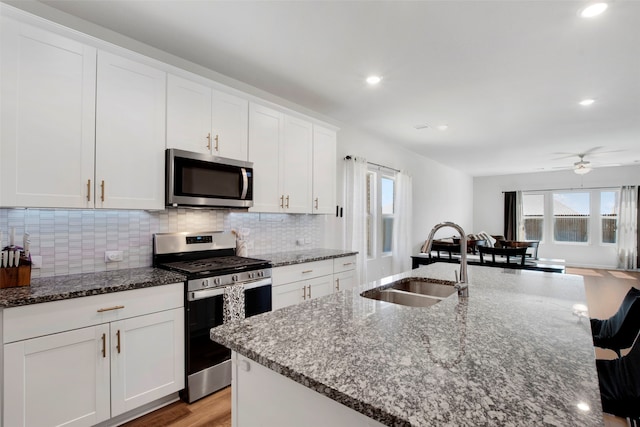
(209,363)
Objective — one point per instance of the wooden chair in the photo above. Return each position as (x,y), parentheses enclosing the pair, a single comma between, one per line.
(534,244)
(448,248)
(508,253)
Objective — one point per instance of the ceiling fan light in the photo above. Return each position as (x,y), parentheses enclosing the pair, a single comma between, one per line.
(582,169)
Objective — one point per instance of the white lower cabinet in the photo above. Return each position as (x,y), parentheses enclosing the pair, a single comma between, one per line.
(59,379)
(296,283)
(84,376)
(262,397)
(296,292)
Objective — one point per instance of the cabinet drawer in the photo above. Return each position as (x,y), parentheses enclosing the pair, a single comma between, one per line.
(297,272)
(344,264)
(35,320)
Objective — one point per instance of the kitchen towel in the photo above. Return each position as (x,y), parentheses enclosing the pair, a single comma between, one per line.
(233,303)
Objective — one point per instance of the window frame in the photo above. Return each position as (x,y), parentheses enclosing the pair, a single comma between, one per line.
(375,217)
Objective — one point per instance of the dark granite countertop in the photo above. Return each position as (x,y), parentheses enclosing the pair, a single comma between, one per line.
(279,259)
(56,288)
(512,353)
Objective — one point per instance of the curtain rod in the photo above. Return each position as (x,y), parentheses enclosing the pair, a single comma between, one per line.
(614,187)
(374,164)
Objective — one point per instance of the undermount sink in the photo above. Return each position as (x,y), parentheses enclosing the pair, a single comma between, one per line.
(413,292)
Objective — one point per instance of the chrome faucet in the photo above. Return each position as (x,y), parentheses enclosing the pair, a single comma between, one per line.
(461,286)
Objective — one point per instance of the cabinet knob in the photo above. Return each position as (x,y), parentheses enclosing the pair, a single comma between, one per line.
(244,365)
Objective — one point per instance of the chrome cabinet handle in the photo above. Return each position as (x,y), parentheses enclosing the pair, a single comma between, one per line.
(316,203)
(337,284)
(282,201)
(287,201)
(309,291)
(216,147)
(209,141)
(304,292)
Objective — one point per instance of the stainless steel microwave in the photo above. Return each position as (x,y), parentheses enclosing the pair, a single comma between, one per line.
(202,180)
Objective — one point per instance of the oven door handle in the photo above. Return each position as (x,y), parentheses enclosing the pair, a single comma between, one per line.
(210,293)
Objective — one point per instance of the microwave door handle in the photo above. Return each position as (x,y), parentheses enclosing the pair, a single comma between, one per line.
(245,183)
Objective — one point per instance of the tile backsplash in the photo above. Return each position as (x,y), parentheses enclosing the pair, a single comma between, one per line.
(74,241)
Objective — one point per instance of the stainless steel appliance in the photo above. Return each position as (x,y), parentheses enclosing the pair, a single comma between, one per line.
(202,180)
(209,262)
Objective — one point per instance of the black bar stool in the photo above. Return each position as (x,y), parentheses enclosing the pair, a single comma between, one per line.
(620,330)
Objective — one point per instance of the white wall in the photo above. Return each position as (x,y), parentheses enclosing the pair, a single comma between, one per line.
(440,193)
(488,205)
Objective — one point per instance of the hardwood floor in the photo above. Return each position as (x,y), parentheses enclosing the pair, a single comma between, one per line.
(604,291)
(210,411)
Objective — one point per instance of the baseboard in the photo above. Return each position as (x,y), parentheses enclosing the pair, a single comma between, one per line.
(138,412)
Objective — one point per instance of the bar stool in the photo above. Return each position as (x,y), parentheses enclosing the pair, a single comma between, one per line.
(620,330)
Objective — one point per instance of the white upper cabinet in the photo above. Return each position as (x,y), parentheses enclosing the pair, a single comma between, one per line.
(188,115)
(324,170)
(280,149)
(230,125)
(48,119)
(295,156)
(265,134)
(205,120)
(130,134)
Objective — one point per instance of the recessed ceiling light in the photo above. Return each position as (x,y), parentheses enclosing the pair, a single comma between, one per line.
(443,127)
(374,80)
(587,102)
(594,9)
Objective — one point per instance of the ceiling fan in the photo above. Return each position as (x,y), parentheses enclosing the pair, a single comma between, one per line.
(583,166)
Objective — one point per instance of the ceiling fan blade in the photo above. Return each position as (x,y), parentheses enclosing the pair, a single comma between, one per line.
(589,151)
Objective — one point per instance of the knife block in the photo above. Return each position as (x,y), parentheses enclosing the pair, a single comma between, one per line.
(16,276)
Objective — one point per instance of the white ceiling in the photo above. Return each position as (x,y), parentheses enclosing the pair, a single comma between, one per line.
(506,76)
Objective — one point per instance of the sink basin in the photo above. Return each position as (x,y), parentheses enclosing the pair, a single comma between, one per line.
(413,292)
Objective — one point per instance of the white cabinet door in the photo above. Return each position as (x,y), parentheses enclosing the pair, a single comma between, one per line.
(295,171)
(296,292)
(265,134)
(344,280)
(324,170)
(147,359)
(59,379)
(230,126)
(48,118)
(130,134)
(188,115)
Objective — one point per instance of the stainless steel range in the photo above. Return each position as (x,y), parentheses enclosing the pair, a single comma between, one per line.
(208,260)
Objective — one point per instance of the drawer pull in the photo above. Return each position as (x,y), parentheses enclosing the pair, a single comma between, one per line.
(307,271)
(115,307)
(118,345)
(347,263)
(104,345)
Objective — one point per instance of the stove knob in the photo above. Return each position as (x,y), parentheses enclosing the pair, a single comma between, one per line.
(217,281)
(234,278)
(252,275)
(260,273)
(205,283)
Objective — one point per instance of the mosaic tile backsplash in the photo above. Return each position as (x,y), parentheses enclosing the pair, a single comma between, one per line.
(74,241)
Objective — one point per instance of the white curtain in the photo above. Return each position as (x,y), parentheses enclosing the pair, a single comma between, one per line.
(355,203)
(520,234)
(628,228)
(403,217)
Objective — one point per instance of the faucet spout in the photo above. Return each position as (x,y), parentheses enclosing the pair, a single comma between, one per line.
(462,286)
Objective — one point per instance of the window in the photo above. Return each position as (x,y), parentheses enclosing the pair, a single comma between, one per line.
(609,215)
(533,215)
(387,193)
(380,213)
(571,212)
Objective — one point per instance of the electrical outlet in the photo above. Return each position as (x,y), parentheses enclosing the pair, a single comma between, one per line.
(113,256)
(36,261)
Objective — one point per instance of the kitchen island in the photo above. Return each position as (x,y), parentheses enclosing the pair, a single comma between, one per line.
(513,353)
